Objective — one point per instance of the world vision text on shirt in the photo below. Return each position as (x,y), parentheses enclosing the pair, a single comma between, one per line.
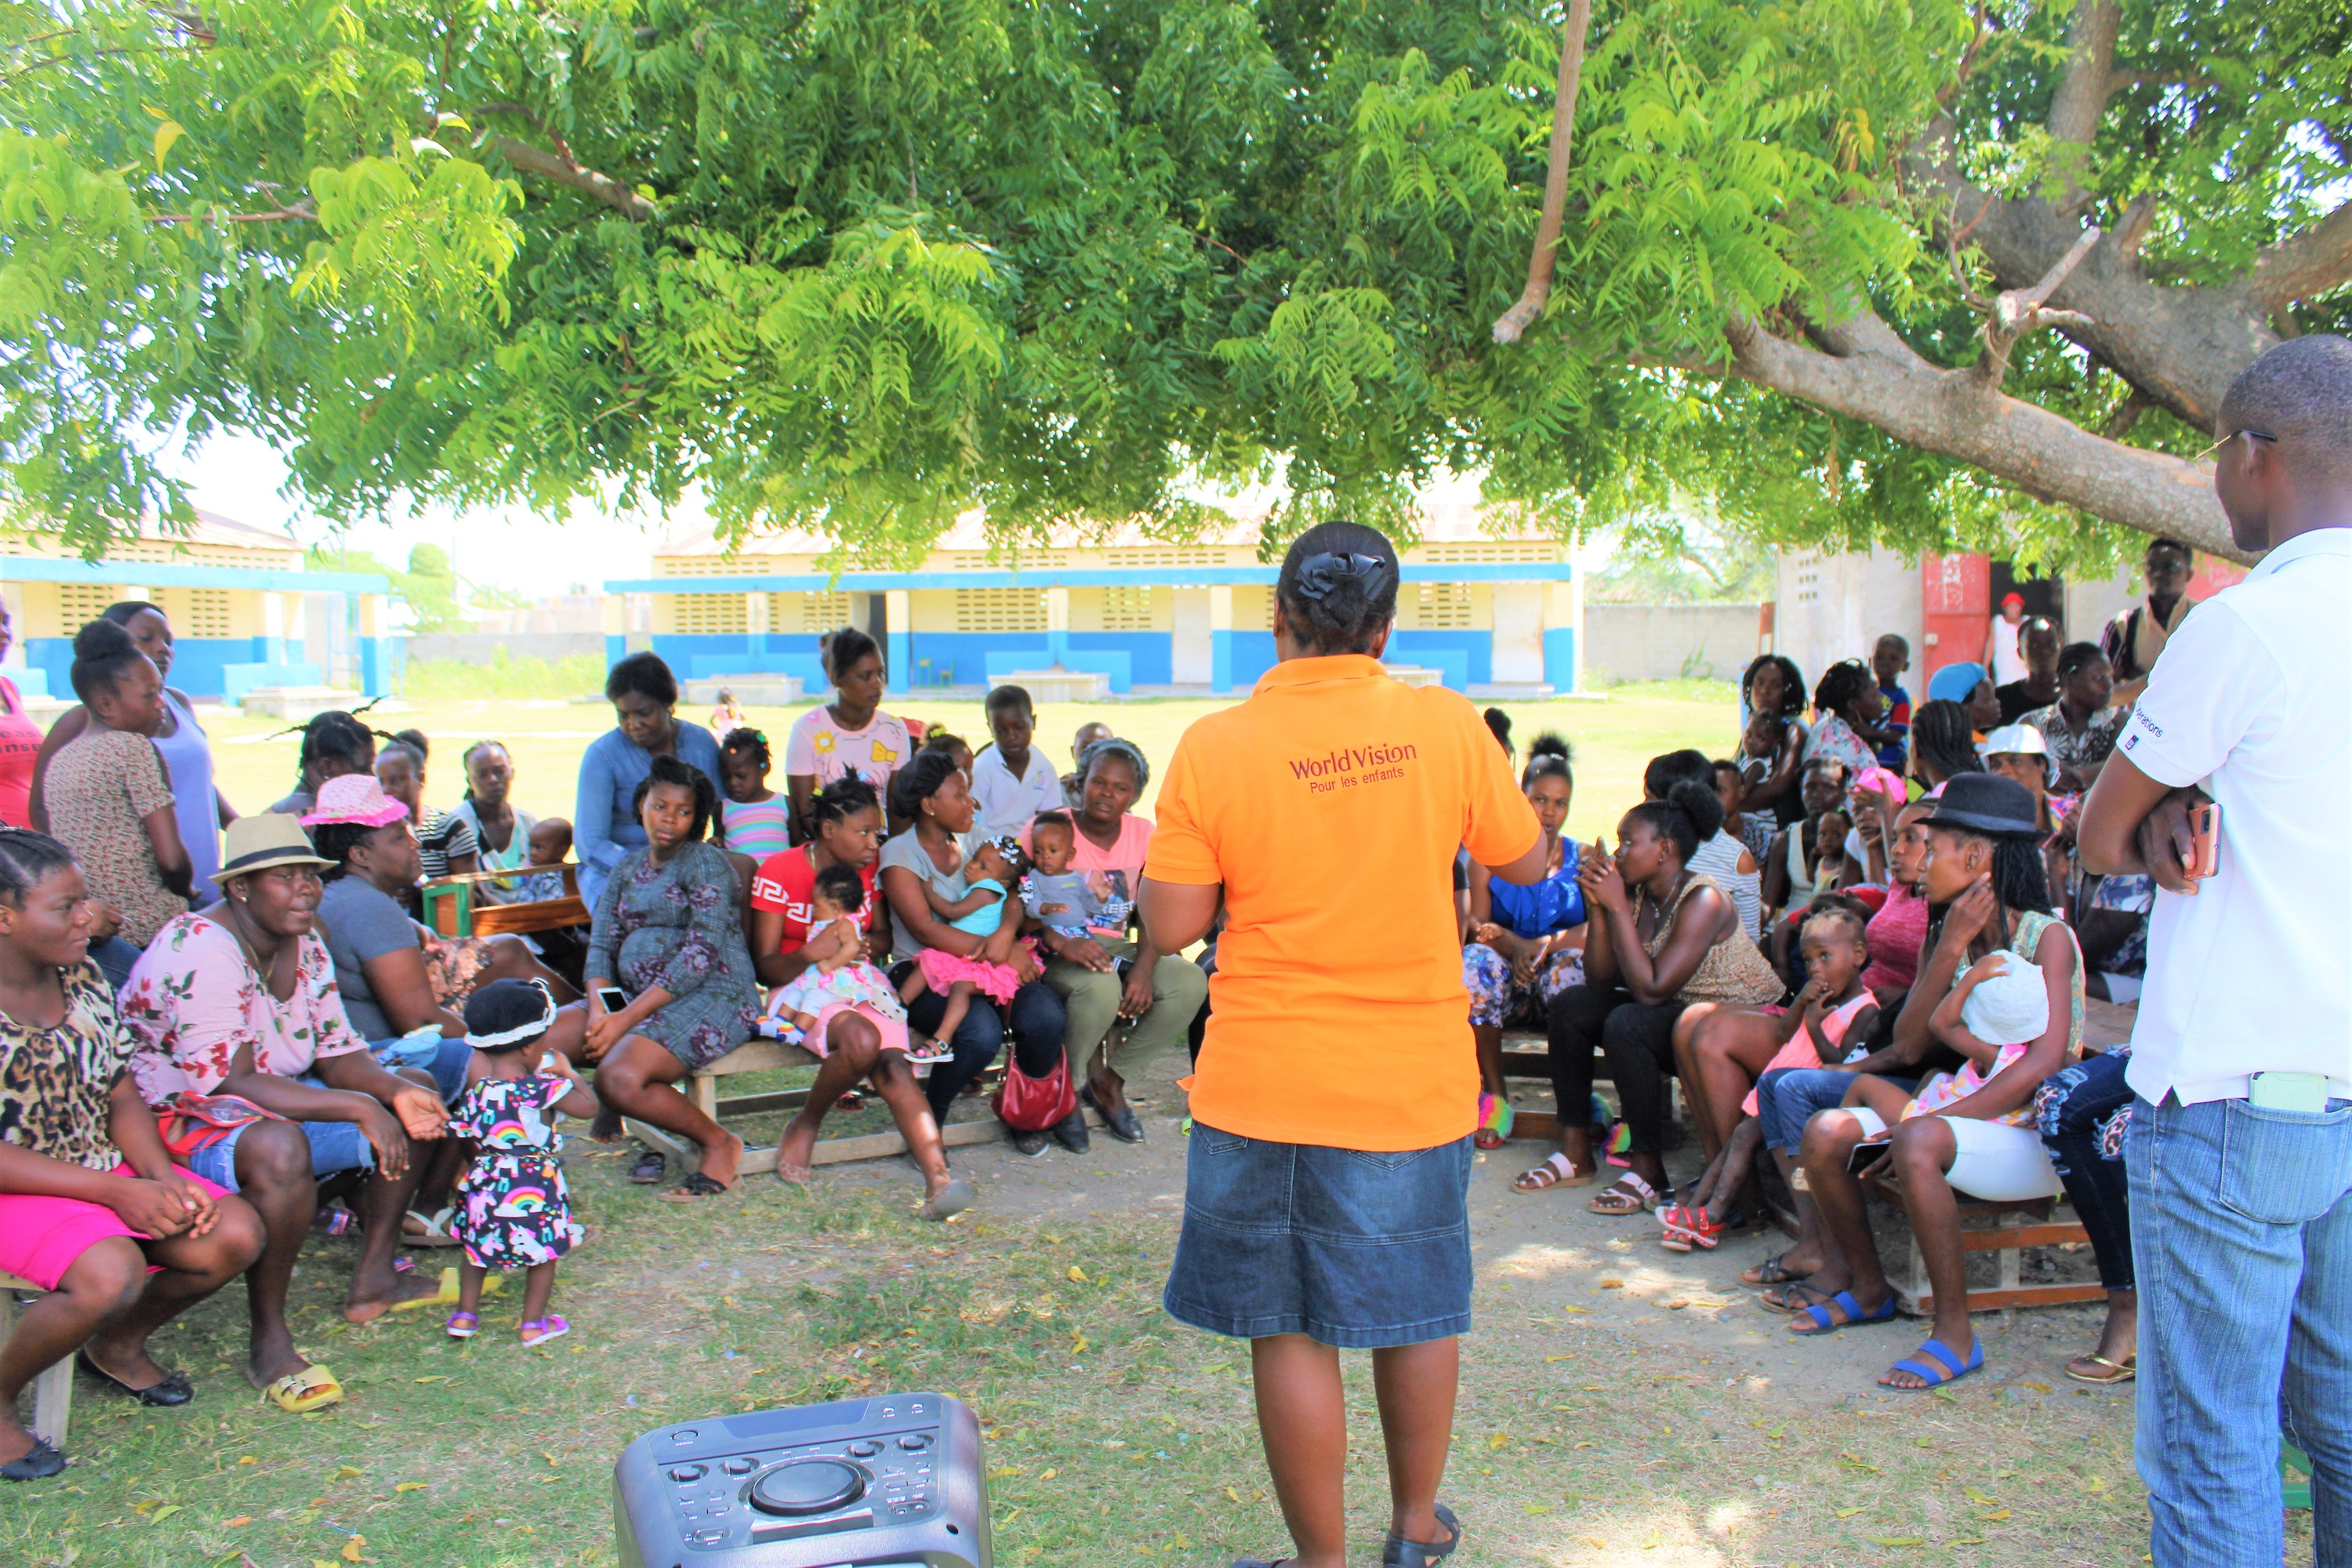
(1329,807)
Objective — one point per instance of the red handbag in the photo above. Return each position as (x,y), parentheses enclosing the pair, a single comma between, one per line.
(1029,1104)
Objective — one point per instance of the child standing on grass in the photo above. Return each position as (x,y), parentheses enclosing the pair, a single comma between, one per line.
(1833,1007)
(991,873)
(753,819)
(514,1210)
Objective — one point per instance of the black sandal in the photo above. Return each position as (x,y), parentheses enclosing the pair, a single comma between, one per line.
(648,1168)
(174,1390)
(696,1186)
(1399,1553)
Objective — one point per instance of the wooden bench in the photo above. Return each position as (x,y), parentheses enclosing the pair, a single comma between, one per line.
(53,1390)
(450,909)
(1526,1053)
(701,1087)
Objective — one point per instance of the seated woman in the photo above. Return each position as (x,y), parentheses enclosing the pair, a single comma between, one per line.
(1773,737)
(666,934)
(1662,940)
(240,1046)
(445,846)
(613,770)
(1984,874)
(1527,944)
(397,977)
(1101,976)
(931,862)
(92,1208)
(110,801)
(2083,1112)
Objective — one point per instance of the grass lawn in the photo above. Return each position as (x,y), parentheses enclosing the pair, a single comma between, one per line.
(1620,1406)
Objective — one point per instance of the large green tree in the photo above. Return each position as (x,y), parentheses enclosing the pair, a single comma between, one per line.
(1925,272)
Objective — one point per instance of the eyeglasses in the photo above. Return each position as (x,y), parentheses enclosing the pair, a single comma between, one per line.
(2257,435)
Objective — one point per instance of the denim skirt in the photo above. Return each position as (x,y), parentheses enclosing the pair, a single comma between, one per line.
(1353,1248)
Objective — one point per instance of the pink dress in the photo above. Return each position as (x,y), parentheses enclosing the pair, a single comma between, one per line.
(1896,934)
(1800,1053)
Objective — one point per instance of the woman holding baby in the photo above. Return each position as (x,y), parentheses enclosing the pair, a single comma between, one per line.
(2001,982)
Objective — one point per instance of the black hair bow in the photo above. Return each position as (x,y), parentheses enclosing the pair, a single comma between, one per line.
(1320,573)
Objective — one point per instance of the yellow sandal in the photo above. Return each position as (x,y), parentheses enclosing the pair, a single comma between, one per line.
(299,1393)
(447,1295)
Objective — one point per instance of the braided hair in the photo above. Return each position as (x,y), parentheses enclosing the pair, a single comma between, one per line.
(839,801)
(1943,738)
(2077,656)
(334,735)
(920,779)
(667,770)
(751,742)
(1843,684)
(1792,684)
(466,762)
(27,859)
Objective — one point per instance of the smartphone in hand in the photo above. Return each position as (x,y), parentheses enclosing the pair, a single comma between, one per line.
(2205,835)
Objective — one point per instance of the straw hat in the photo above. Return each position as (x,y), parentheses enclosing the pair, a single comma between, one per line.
(257,843)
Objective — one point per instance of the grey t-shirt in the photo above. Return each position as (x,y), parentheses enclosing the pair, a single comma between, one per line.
(907,850)
(362,922)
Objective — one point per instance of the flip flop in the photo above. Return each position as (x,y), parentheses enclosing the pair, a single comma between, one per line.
(1948,1368)
(1495,1119)
(1555,1172)
(435,1231)
(1771,1272)
(299,1393)
(953,1199)
(1628,1194)
(695,1187)
(2122,1370)
(446,1295)
(1855,1317)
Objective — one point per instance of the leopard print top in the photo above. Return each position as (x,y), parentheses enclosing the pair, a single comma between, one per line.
(55,1084)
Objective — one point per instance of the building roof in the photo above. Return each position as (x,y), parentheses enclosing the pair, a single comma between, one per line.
(153,541)
(1452,512)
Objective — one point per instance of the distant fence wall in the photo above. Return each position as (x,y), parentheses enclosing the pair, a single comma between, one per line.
(477,647)
(1668,642)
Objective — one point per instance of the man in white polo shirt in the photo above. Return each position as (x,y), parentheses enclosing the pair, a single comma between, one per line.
(2239,1150)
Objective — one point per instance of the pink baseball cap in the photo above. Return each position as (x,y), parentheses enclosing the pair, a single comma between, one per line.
(356,798)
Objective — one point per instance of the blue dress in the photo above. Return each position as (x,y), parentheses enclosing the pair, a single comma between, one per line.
(1539,909)
(189,757)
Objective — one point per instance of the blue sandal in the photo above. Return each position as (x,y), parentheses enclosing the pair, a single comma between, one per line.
(1947,1369)
(1855,1316)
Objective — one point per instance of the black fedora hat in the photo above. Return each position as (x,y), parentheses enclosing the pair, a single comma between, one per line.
(1989,803)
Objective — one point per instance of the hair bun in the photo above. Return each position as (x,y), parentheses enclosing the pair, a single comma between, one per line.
(1697,802)
(1551,743)
(103,639)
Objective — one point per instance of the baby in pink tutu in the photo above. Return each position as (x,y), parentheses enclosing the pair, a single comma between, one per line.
(839,979)
(991,873)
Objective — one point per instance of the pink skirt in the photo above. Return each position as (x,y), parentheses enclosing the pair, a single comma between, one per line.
(41,1237)
(994,981)
(894,1030)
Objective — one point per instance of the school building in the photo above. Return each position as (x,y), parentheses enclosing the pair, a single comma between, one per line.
(245,613)
(1491,613)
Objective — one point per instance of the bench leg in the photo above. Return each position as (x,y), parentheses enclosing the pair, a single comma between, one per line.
(53,1404)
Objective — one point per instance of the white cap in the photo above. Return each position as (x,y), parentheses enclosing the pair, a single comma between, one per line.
(2011,1007)
(2014,741)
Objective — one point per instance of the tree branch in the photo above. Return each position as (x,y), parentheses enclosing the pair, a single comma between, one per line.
(1541,262)
(302,211)
(563,171)
(2088,80)
(1871,375)
(2304,264)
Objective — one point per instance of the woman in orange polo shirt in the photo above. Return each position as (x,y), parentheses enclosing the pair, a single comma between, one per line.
(1325,1186)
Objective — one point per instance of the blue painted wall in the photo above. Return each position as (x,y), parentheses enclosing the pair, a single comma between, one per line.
(1252,656)
(960,658)
(1559,658)
(1476,651)
(196,662)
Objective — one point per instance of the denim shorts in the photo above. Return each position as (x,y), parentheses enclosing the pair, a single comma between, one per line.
(447,1060)
(1361,1250)
(334,1146)
(1788,1098)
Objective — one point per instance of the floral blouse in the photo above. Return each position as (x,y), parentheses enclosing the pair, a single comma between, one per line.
(194,1000)
(56,1084)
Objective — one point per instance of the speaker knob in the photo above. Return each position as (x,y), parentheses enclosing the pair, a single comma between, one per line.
(807,1487)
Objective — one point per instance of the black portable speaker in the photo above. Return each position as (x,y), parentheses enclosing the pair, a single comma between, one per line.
(894,1481)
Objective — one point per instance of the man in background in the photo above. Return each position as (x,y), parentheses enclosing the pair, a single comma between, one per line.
(2239,1147)
(2136,637)
(2039,686)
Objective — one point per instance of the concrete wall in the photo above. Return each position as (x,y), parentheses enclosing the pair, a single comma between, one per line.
(477,647)
(1665,642)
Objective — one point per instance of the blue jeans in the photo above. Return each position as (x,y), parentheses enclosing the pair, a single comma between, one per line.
(2242,1243)
(114,957)
(447,1060)
(1037,1024)
(1788,1098)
